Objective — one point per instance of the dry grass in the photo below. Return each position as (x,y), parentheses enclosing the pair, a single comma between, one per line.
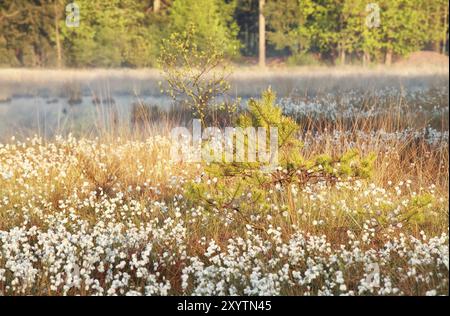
(117,187)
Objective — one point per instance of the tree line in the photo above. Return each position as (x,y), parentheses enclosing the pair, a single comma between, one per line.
(128,33)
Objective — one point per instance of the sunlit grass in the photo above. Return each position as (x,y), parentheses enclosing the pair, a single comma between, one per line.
(108,212)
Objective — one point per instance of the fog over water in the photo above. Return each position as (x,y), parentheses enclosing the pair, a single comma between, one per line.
(50,102)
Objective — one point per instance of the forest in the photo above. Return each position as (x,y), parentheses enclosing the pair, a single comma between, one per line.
(128,33)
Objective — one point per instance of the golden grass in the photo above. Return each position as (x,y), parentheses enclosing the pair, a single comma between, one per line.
(115,159)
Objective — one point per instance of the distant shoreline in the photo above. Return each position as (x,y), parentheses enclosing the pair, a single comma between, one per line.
(15,74)
(245,81)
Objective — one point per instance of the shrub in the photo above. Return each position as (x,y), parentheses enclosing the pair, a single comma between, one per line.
(241,185)
(303,59)
(196,76)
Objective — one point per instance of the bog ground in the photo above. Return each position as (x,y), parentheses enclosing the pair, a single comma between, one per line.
(93,204)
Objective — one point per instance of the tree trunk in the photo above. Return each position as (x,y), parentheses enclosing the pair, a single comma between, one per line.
(262,35)
(366,58)
(388,57)
(437,46)
(444,33)
(156,6)
(342,55)
(57,37)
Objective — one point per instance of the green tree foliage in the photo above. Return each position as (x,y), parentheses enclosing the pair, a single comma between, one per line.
(290,24)
(436,23)
(337,28)
(213,20)
(246,16)
(402,27)
(111,33)
(26,33)
(115,33)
